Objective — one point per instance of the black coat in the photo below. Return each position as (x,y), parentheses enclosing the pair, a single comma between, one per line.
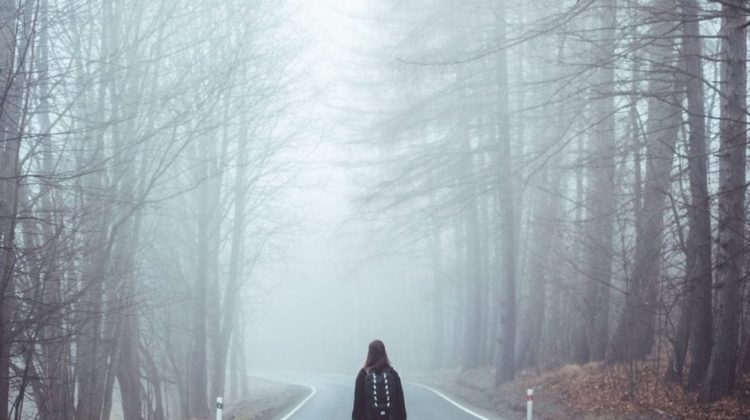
(359,412)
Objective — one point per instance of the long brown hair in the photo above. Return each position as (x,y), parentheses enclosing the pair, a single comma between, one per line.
(377,358)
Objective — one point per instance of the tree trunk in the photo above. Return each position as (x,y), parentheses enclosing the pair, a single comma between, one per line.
(721,376)
(95,324)
(485,335)
(234,282)
(129,367)
(58,401)
(11,72)
(531,334)
(505,359)
(235,365)
(602,194)
(197,382)
(634,336)
(473,320)
(9,184)
(436,259)
(695,324)
(580,349)
(91,361)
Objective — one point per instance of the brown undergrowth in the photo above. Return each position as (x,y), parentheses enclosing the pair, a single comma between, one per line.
(602,391)
(590,392)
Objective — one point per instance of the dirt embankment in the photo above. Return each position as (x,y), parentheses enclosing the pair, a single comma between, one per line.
(590,392)
(267,401)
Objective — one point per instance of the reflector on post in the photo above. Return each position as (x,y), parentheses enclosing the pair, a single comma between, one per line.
(529,403)
(219,407)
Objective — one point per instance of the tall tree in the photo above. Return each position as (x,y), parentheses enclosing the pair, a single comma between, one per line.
(694,327)
(11,65)
(635,332)
(722,369)
(505,358)
(602,188)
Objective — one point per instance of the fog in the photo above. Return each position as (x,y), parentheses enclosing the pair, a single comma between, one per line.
(196,193)
(332,291)
(335,289)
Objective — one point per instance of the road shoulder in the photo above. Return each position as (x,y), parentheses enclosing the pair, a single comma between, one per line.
(475,389)
(266,400)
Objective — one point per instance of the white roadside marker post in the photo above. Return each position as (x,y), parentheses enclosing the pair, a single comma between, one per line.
(529,403)
(219,407)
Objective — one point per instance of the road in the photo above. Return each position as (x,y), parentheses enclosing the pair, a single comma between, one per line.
(331,395)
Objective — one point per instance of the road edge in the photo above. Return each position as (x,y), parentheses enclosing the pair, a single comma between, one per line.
(459,406)
(313,391)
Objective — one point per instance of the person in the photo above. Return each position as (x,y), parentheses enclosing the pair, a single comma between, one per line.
(377,391)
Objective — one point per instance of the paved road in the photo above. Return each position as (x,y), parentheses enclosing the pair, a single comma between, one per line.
(331,398)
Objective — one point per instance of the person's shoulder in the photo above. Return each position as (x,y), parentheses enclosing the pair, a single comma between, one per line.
(394,371)
(360,376)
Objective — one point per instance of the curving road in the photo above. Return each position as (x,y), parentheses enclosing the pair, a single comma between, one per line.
(331,396)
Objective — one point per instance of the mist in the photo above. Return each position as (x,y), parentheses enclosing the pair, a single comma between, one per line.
(234,198)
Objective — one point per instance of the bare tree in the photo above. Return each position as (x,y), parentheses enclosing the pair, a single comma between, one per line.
(722,369)
(635,333)
(695,322)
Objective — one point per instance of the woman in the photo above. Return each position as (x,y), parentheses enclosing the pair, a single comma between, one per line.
(377,391)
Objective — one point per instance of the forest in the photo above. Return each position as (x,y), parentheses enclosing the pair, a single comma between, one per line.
(530,184)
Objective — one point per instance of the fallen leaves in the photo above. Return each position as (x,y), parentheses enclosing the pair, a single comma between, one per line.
(592,392)
(635,391)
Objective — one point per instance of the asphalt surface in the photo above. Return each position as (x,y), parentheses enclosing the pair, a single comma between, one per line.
(331,396)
